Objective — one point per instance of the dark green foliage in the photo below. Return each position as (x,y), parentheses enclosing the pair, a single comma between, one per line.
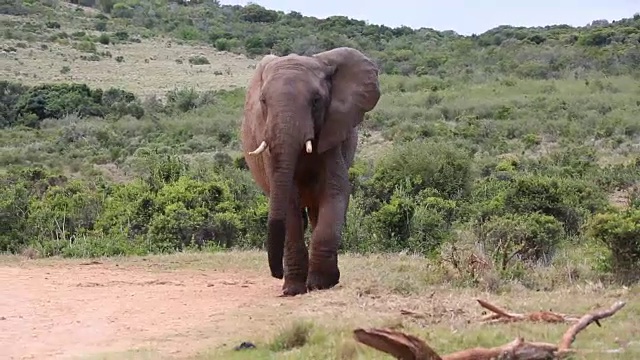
(526,237)
(104,39)
(55,101)
(29,106)
(620,232)
(447,171)
(10,94)
(172,208)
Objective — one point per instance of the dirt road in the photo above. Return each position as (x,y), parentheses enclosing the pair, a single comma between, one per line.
(70,310)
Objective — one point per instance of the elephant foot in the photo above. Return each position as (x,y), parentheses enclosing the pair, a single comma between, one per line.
(293,288)
(322,280)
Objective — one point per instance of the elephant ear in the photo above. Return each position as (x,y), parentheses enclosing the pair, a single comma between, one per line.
(355,90)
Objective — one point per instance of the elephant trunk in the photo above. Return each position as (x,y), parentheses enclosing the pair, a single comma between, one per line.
(285,148)
(279,198)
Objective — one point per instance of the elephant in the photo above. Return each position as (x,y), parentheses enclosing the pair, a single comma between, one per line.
(299,138)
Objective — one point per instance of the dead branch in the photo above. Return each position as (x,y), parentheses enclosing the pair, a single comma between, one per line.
(408,347)
(395,343)
(570,335)
(501,315)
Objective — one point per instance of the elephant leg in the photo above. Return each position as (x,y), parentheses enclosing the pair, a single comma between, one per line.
(296,258)
(332,207)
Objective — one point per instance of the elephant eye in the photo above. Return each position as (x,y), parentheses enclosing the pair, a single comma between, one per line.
(315,101)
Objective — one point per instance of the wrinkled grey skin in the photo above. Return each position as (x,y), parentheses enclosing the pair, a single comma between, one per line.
(304,110)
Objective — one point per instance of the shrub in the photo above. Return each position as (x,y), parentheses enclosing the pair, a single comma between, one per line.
(418,224)
(85,46)
(104,39)
(14,207)
(10,94)
(569,201)
(420,165)
(57,100)
(198,60)
(619,231)
(30,105)
(62,214)
(526,237)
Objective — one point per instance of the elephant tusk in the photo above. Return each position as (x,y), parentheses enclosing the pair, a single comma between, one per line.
(309,146)
(260,149)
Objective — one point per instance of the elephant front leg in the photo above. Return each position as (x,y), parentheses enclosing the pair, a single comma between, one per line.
(323,262)
(296,258)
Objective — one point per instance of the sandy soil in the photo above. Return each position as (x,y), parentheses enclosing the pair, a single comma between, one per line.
(149,68)
(77,310)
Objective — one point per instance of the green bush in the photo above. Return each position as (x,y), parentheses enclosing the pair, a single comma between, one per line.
(619,231)
(29,106)
(568,201)
(62,215)
(444,167)
(525,237)
(14,207)
(193,211)
(418,224)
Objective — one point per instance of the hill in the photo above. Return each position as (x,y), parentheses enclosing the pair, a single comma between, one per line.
(541,53)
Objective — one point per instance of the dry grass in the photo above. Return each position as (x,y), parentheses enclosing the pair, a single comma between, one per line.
(149,68)
(374,291)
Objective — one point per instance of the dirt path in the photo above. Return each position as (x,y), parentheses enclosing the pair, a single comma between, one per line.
(64,311)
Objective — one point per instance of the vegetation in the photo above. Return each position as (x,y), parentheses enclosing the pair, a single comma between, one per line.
(549,52)
(505,146)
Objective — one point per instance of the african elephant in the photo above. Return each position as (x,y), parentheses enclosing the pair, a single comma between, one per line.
(299,139)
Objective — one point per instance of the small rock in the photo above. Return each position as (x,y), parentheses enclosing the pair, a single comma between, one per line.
(244,345)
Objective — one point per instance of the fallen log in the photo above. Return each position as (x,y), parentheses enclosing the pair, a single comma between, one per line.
(408,347)
(500,315)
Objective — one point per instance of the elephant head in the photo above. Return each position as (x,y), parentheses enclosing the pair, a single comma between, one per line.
(307,104)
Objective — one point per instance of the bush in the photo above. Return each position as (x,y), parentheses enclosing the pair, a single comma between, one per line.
(420,165)
(198,60)
(193,212)
(525,237)
(568,201)
(619,231)
(29,106)
(104,39)
(62,215)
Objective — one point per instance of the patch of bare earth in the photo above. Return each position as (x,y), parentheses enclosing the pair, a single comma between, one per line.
(151,67)
(67,309)
(621,198)
(372,144)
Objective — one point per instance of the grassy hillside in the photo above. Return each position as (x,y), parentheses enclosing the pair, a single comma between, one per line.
(504,147)
(540,53)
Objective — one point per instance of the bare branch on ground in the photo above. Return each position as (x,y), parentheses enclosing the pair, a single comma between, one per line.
(408,347)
